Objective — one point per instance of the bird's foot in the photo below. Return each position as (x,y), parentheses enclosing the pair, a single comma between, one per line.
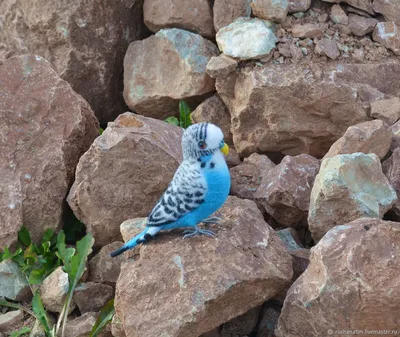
(198,231)
(213,219)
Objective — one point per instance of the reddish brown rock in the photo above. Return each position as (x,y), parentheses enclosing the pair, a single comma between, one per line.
(272,10)
(116,327)
(391,168)
(269,319)
(242,325)
(365,5)
(367,137)
(208,280)
(389,8)
(233,159)
(82,325)
(85,41)
(328,47)
(181,58)
(213,110)
(91,296)
(352,283)
(247,177)
(387,110)
(388,34)
(395,130)
(40,144)
(310,30)
(120,177)
(299,5)
(192,15)
(11,321)
(227,11)
(285,190)
(338,15)
(348,187)
(221,65)
(360,25)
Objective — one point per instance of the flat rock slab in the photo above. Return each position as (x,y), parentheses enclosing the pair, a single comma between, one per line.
(44,128)
(352,283)
(124,173)
(188,287)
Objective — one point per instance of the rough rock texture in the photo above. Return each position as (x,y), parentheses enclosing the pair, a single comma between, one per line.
(10,320)
(164,69)
(117,329)
(395,130)
(242,325)
(232,159)
(124,173)
(209,281)
(348,187)
(389,8)
(310,30)
(272,10)
(269,319)
(13,284)
(365,5)
(246,39)
(103,268)
(129,228)
(193,15)
(328,47)
(367,137)
(53,291)
(391,168)
(387,110)
(247,177)
(277,108)
(227,11)
(299,5)
(214,110)
(91,296)
(388,34)
(338,15)
(82,325)
(360,25)
(45,128)
(285,190)
(221,65)
(84,40)
(352,283)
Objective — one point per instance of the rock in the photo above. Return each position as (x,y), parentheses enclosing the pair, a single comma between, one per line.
(310,30)
(352,277)
(269,319)
(116,327)
(232,159)
(395,130)
(360,25)
(213,110)
(242,325)
(299,6)
(285,190)
(193,15)
(387,110)
(246,39)
(348,187)
(387,33)
(389,8)
(84,42)
(82,325)
(120,178)
(227,11)
(13,284)
(155,91)
(367,137)
(11,320)
(284,49)
(247,177)
(54,289)
(103,268)
(245,265)
(358,55)
(338,15)
(221,66)
(391,168)
(91,296)
(327,47)
(276,108)
(130,228)
(365,5)
(272,10)
(50,128)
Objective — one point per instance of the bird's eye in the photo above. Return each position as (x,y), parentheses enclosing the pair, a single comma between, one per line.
(202,144)
(221,144)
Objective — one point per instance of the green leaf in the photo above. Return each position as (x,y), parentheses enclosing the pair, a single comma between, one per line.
(105,317)
(6,254)
(5,303)
(101,130)
(64,253)
(184,114)
(40,313)
(37,276)
(24,236)
(172,120)
(20,332)
(48,235)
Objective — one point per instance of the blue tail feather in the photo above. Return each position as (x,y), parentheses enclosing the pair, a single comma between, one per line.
(130,244)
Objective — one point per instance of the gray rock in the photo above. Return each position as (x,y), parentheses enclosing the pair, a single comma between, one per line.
(388,34)
(91,296)
(11,320)
(360,25)
(272,10)
(13,284)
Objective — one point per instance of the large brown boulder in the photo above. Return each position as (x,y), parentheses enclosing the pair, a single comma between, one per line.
(227,11)
(124,173)
(391,168)
(352,283)
(45,128)
(188,287)
(365,5)
(166,68)
(277,108)
(84,40)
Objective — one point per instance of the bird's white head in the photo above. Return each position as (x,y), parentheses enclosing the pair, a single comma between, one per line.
(203,139)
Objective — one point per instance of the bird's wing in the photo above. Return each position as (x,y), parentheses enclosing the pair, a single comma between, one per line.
(184,194)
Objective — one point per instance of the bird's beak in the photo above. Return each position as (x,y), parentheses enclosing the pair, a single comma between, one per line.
(225,149)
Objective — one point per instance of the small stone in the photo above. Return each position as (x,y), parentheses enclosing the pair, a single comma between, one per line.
(395,130)
(284,49)
(242,325)
(388,34)
(221,65)
(91,296)
(13,284)
(358,54)
(365,5)
(323,18)
(310,30)
(227,11)
(338,15)
(387,110)
(299,6)
(296,52)
(11,320)
(360,25)
(132,227)
(82,325)
(328,47)
(272,10)
(233,158)
(246,39)
(389,8)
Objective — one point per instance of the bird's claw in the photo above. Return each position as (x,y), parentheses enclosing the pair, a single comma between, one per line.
(213,219)
(198,231)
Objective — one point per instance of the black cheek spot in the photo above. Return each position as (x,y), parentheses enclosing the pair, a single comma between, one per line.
(203,165)
(199,160)
(212,165)
(198,194)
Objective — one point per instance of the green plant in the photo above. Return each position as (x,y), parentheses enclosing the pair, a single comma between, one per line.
(20,332)
(184,120)
(105,317)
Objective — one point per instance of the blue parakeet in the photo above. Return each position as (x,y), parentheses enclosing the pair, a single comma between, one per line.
(200,187)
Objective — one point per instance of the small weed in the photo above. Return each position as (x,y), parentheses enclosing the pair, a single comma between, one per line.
(184,120)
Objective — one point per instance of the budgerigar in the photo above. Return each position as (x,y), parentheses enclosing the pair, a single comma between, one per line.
(199,187)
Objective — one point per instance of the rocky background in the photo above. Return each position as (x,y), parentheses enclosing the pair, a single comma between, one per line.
(308,96)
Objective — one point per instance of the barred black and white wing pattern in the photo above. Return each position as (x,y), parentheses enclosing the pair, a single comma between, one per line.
(184,194)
